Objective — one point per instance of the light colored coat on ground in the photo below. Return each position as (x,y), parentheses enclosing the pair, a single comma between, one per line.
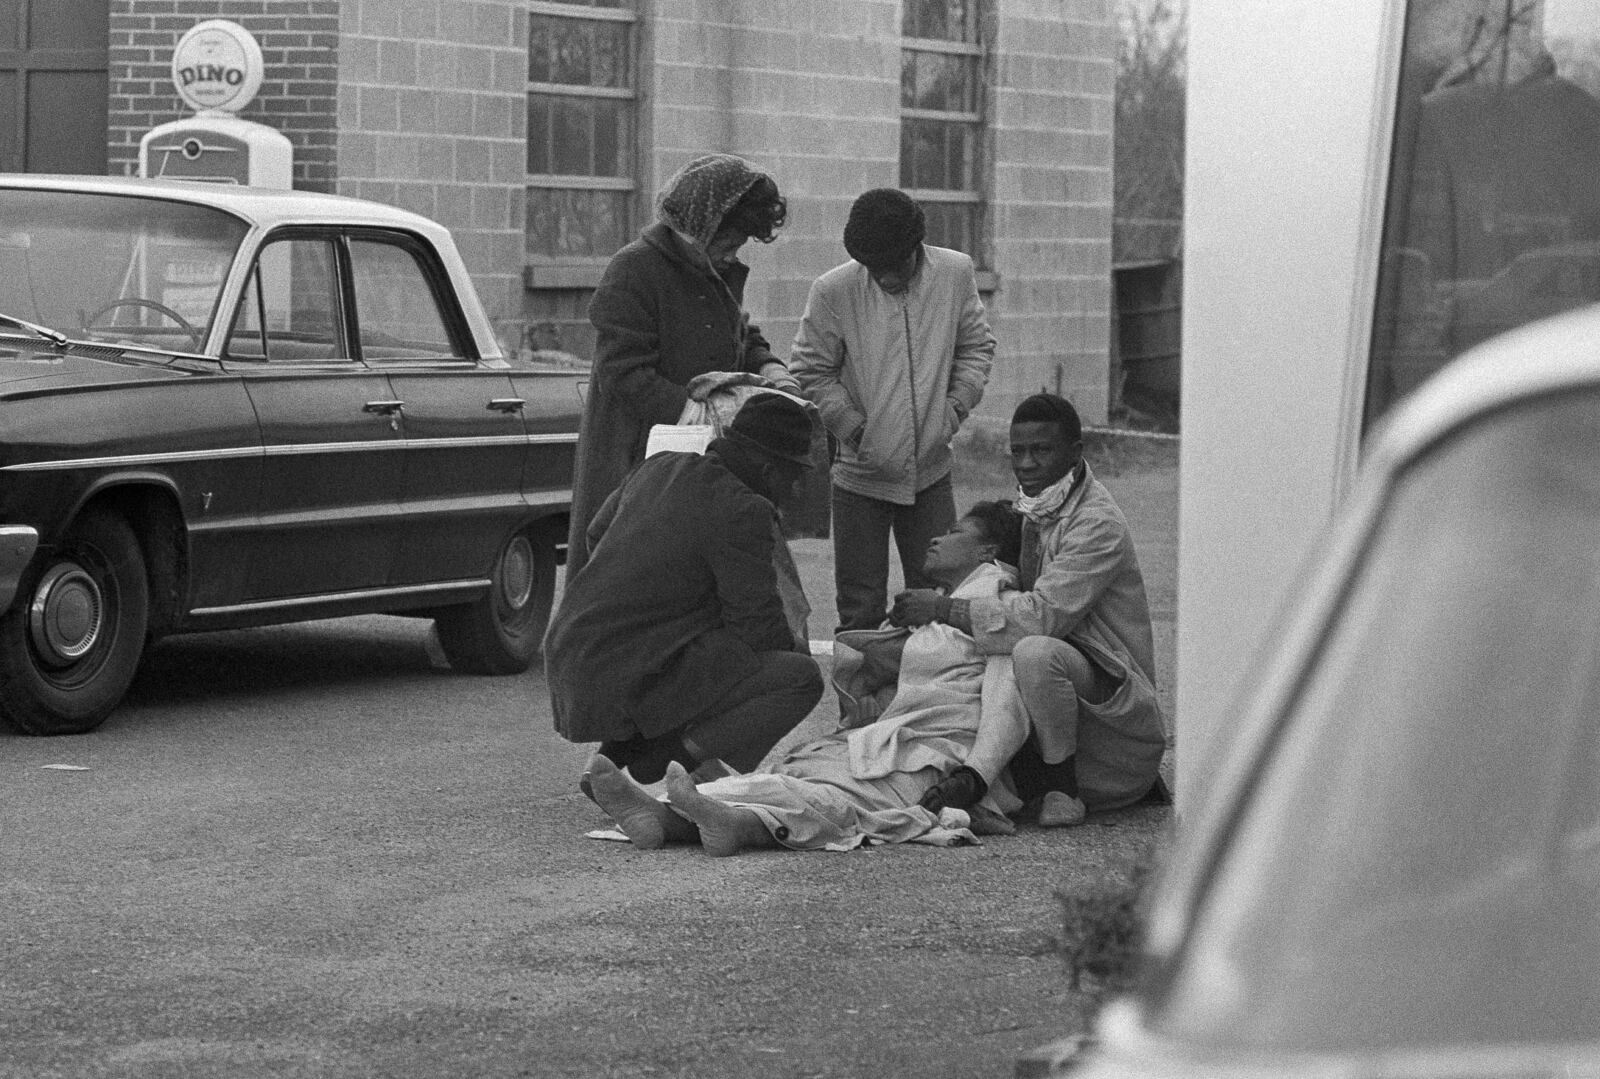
(863,784)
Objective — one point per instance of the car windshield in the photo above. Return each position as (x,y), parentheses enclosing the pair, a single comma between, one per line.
(1419,862)
(117,268)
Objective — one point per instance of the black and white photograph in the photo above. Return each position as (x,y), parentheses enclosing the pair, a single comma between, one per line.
(824,539)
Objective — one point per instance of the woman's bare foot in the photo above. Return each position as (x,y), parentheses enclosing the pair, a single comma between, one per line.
(724,829)
(645,820)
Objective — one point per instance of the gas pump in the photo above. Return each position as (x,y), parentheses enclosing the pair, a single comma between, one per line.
(217,68)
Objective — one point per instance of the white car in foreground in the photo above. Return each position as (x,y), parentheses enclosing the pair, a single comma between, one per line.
(1395,871)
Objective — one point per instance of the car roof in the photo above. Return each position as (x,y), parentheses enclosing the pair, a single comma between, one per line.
(1561,352)
(263,206)
(1543,357)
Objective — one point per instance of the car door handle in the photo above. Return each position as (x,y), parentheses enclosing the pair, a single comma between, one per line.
(506,404)
(383,408)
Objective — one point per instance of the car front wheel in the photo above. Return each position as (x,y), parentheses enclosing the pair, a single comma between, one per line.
(501,632)
(71,642)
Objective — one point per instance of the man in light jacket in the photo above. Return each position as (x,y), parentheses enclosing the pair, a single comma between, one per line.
(894,348)
(1079,635)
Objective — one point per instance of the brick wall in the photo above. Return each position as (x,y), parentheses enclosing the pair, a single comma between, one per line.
(810,92)
(300,48)
(1052,130)
(421,104)
(431,117)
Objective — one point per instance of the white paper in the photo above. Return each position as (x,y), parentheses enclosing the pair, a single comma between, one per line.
(678,437)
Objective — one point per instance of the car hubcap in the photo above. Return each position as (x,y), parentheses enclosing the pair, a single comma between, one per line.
(67,614)
(516,573)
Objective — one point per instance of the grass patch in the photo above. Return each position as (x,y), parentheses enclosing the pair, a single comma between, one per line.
(1101,923)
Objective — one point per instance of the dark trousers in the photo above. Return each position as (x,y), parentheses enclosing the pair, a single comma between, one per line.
(861,529)
(743,725)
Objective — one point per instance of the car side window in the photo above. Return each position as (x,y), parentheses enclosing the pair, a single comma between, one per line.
(397,309)
(290,311)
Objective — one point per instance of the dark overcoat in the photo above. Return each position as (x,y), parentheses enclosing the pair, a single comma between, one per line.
(677,598)
(661,317)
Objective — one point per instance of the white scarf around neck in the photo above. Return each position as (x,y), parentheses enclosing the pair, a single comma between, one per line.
(1048,502)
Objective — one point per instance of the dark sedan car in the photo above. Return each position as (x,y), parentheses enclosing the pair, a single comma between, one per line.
(1394,867)
(225,407)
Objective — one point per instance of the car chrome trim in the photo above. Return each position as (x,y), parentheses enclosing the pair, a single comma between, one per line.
(339,597)
(387,444)
(17,544)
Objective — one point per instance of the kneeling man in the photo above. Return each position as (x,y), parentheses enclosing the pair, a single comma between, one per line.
(670,643)
(1078,631)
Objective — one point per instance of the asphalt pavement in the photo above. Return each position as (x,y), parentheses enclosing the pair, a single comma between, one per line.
(310,851)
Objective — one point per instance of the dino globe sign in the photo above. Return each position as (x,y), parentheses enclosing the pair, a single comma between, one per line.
(217,65)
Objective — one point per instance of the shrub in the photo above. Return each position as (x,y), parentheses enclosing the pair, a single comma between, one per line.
(1102,928)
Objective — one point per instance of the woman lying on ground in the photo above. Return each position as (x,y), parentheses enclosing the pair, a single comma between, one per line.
(882,782)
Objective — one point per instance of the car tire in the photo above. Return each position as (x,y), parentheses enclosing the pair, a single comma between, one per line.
(71,642)
(501,632)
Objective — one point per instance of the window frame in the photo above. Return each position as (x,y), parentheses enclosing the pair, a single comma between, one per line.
(543,270)
(976,198)
(339,238)
(438,283)
(251,298)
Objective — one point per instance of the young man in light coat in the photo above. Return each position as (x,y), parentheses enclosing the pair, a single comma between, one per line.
(894,348)
(1078,631)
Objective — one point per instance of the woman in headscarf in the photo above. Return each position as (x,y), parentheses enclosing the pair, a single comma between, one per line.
(670,307)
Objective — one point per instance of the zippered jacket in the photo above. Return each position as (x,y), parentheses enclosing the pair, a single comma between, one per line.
(893,376)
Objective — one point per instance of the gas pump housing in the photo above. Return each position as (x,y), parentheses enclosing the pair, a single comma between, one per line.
(217,67)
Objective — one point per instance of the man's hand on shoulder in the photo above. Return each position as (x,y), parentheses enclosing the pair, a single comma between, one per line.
(915,607)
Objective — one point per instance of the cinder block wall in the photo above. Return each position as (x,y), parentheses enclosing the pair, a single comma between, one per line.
(300,47)
(1051,124)
(432,117)
(810,92)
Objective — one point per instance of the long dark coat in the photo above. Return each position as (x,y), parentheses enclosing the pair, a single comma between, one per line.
(676,599)
(660,320)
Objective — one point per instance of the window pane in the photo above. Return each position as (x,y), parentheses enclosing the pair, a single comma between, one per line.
(570,45)
(1493,216)
(938,154)
(576,224)
(539,127)
(611,55)
(931,80)
(295,284)
(572,136)
(949,20)
(396,307)
(579,136)
(952,224)
(578,52)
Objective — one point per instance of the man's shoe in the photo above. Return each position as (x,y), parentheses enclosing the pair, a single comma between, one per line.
(1058,809)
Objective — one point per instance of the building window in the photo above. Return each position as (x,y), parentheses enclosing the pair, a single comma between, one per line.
(582,103)
(941,119)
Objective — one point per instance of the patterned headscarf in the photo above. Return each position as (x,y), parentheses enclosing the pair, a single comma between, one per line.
(700,194)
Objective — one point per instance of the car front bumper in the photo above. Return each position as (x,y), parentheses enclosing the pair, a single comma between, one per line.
(17,544)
